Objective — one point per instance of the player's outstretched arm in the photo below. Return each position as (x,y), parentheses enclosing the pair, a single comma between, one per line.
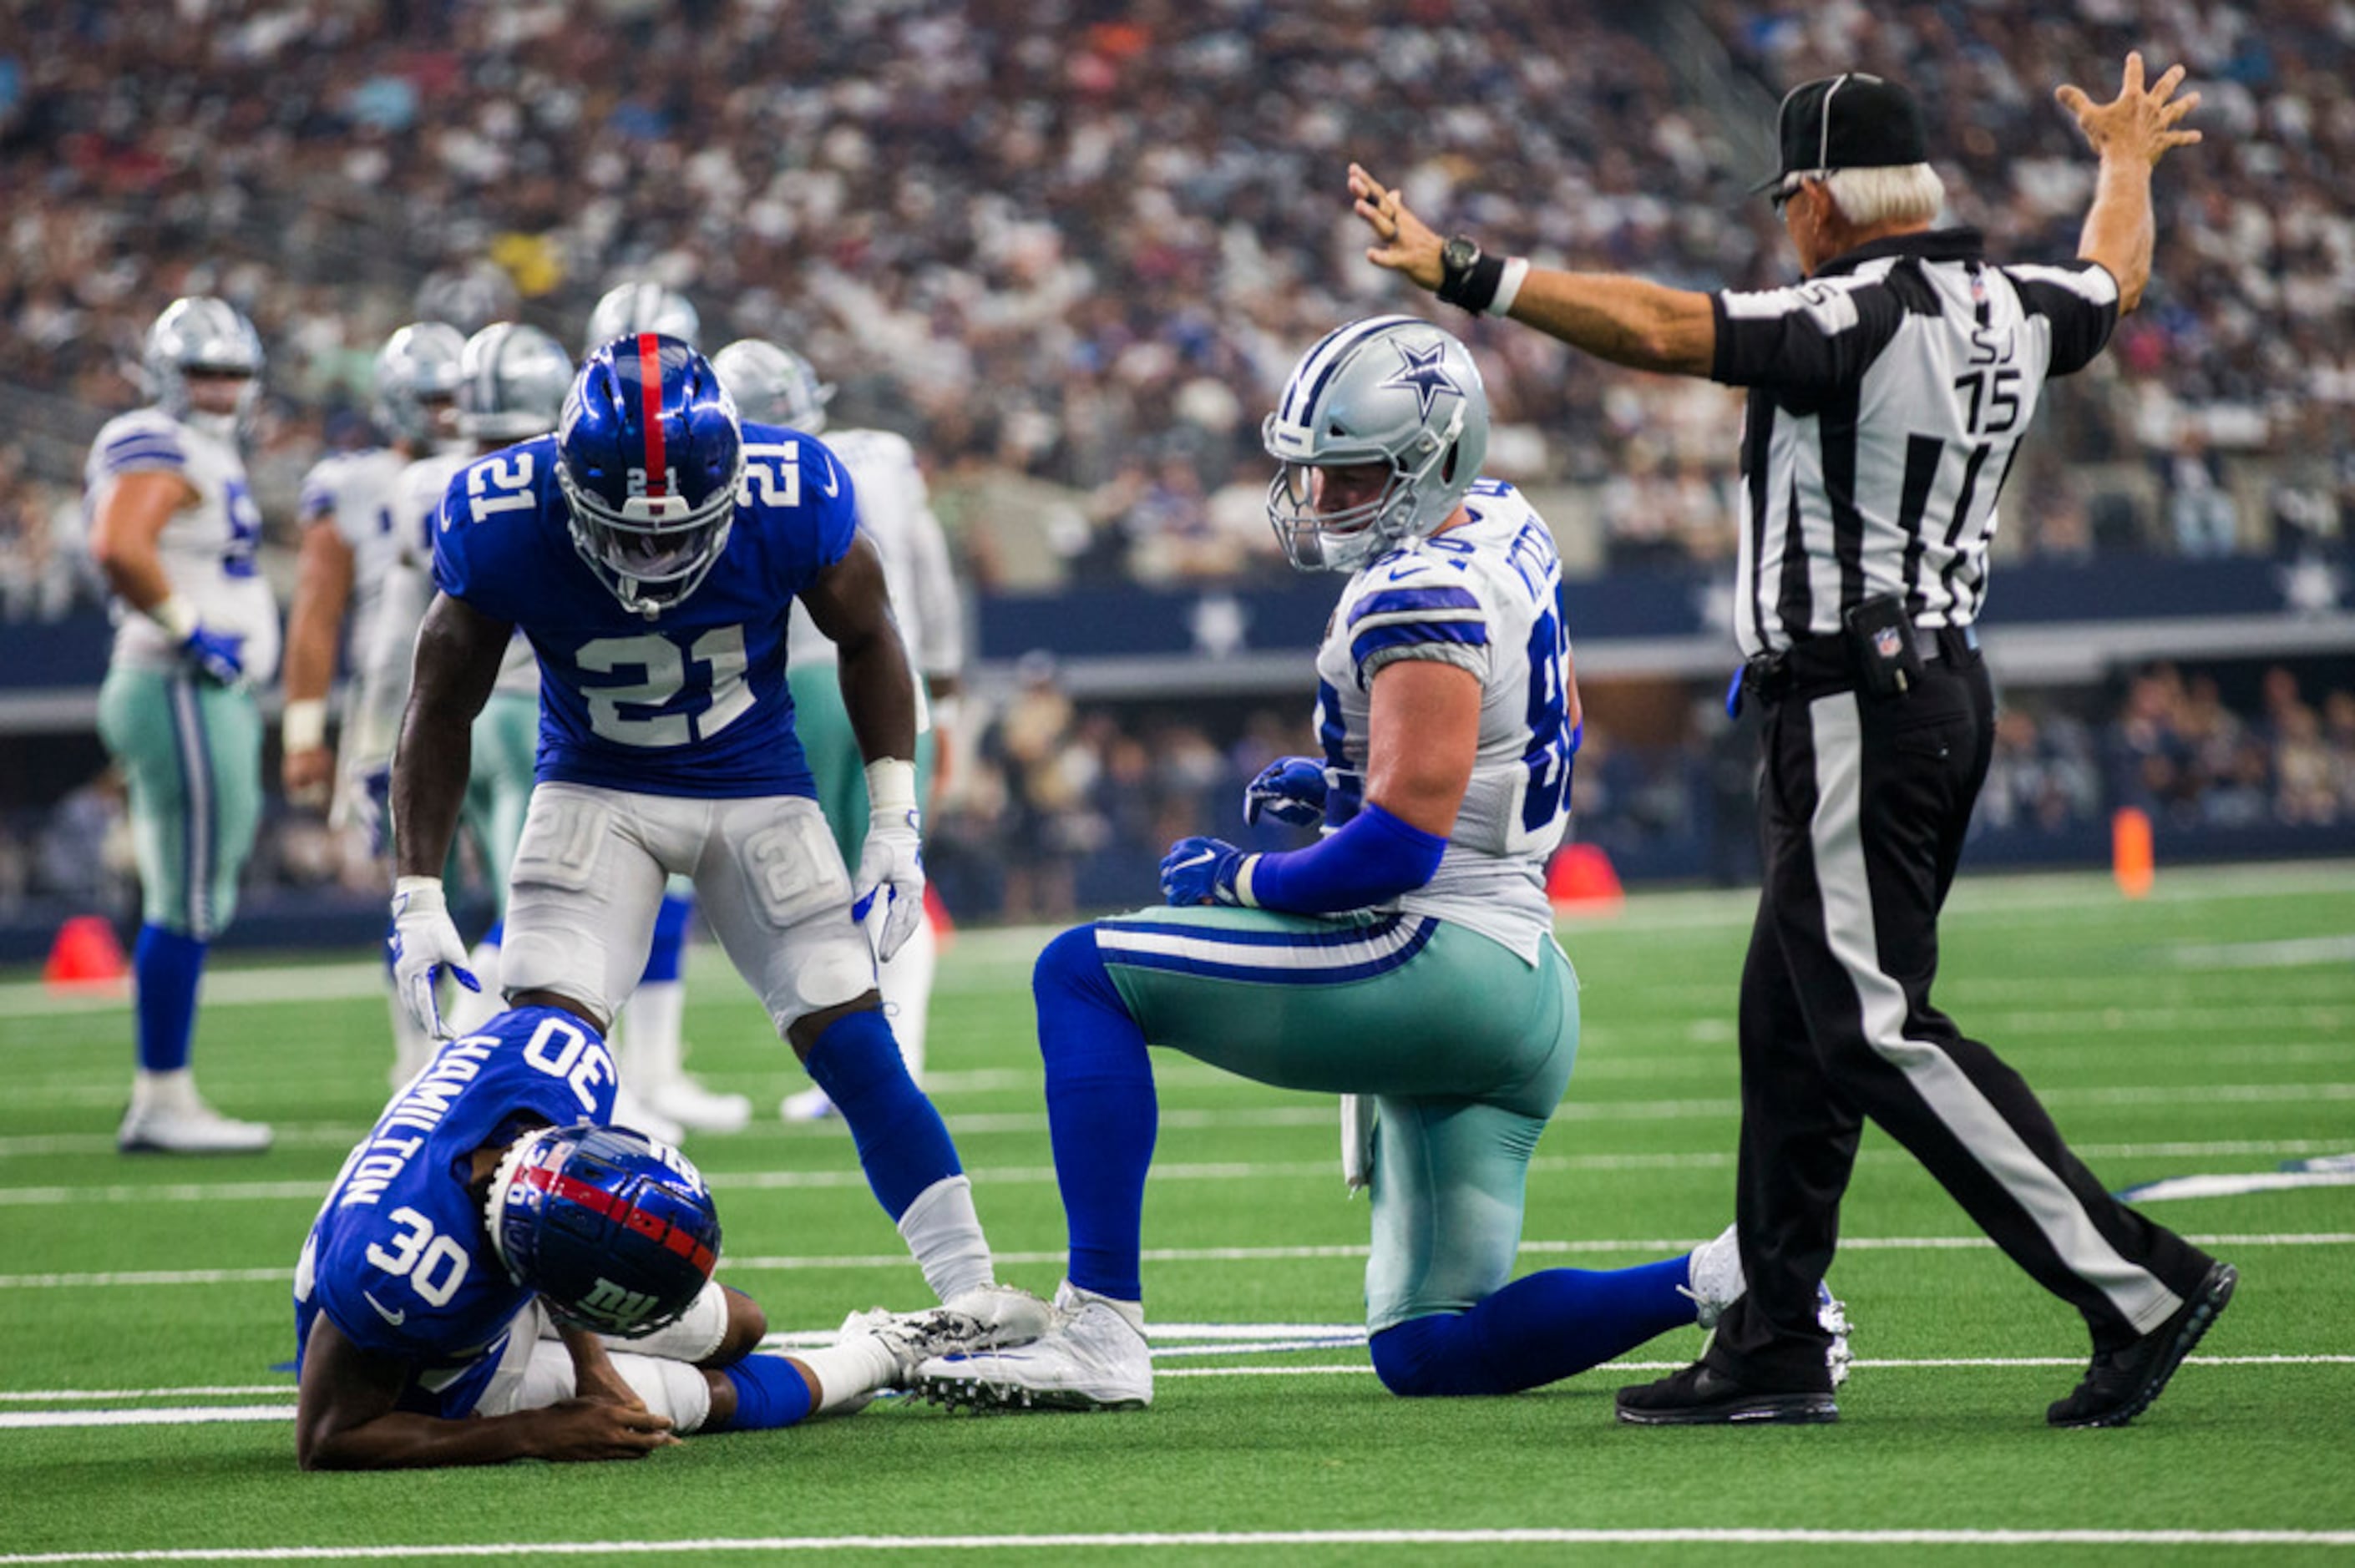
(346,1419)
(455,665)
(2131,133)
(1628,321)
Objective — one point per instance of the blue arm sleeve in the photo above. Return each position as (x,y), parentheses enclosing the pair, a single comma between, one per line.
(1371,860)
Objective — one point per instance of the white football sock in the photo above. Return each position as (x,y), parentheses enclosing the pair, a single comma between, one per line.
(944,1233)
(907,986)
(850,1371)
(653,1052)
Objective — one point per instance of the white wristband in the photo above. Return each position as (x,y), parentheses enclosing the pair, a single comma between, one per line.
(1244,874)
(303,725)
(417,893)
(1509,287)
(175,615)
(890,786)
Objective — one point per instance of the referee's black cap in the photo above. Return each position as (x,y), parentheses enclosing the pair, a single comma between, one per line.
(1847,122)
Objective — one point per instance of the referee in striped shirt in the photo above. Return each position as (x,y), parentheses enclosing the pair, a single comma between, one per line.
(1888,395)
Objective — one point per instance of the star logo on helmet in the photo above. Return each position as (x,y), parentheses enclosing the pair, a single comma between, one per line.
(1422,373)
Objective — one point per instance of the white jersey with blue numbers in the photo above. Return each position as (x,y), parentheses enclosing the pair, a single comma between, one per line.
(400,1257)
(694,701)
(353,493)
(895,511)
(1483,595)
(207,550)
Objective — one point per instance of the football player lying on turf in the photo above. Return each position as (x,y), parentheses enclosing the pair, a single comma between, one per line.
(1407,957)
(497,1273)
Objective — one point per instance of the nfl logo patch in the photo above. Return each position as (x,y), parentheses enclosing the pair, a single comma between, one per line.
(1884,642)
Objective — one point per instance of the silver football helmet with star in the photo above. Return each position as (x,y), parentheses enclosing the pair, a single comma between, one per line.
(199,334)
(1394,391)
(417,374)
(630,308)
(774,386)
(511,383)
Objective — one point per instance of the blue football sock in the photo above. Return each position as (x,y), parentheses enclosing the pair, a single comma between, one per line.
(664,954)
(1101,1112)
(166,967)
(770,1393)
(1539,1328)
(903,1145)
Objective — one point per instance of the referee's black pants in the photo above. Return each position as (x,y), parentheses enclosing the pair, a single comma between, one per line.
(1862,811)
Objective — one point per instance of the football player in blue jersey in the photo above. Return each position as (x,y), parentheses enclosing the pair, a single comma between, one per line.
(1408,957)
(650,550)
(498,1274)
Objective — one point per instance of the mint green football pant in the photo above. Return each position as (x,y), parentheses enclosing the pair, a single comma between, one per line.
(823,726)
(1466,1048)
(505,745)
(191,754)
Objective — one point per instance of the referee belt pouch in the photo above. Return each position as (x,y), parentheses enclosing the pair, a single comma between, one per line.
(1883,650)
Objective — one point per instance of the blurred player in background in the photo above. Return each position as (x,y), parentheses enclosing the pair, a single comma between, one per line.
(1407,957)
(651,550)
(775,386)
(173,529)
(351,550)
(510,384)
(499,1273)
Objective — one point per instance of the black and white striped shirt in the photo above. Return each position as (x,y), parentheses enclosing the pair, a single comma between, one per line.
(1888,395)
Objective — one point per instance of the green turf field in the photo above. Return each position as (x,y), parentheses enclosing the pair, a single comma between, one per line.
(2208,1031)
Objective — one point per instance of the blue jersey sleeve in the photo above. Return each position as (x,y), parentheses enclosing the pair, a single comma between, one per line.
(491,537)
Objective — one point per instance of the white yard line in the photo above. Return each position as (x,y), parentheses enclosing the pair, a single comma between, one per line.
(141,1278)
(1227,1540)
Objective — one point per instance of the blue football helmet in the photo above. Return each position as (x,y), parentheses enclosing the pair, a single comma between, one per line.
(615,1231)
(649,456)
(774,386)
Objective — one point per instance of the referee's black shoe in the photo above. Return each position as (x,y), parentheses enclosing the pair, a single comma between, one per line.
(2121,1384)
(1700,1395)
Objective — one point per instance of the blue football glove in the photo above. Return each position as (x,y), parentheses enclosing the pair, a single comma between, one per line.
(1289,790)
(218,656)
(1200,870)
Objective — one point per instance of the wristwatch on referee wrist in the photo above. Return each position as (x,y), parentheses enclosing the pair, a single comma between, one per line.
(1467,279)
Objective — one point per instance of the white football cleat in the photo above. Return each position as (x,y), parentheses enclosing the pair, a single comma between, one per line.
(1714,1279)
(1093,1356)
(694,1108)
(174,1121)
(812,1104)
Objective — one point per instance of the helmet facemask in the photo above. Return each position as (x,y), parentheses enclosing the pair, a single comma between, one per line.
(654,550)
(1392,392)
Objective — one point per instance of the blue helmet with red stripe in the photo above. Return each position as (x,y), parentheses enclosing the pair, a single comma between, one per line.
(615,1231)
(649,455)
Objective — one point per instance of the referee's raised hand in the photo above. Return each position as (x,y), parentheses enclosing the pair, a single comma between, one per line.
(1406,243)
(2139,122)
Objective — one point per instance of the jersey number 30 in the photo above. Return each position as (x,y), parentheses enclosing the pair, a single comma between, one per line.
(719,650)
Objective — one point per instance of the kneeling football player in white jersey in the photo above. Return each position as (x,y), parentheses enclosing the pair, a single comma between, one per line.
(1408,958)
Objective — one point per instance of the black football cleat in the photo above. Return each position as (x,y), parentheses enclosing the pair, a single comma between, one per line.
(1700,1395)
(2121,1384)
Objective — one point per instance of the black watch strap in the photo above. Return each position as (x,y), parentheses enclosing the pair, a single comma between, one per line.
(1469,286)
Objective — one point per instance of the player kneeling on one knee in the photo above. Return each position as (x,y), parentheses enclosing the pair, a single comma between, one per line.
(497,1273)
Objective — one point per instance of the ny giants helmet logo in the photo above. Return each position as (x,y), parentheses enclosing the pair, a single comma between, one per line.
(1422,373)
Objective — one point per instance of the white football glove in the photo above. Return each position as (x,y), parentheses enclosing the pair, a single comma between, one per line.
(890,897)
(424,942)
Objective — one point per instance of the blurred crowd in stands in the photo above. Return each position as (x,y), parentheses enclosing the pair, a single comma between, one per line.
(1056,806)
(1071,245)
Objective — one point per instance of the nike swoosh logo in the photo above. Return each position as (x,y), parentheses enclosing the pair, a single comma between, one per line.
(832,486)
(395,1319)
(1197,860)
